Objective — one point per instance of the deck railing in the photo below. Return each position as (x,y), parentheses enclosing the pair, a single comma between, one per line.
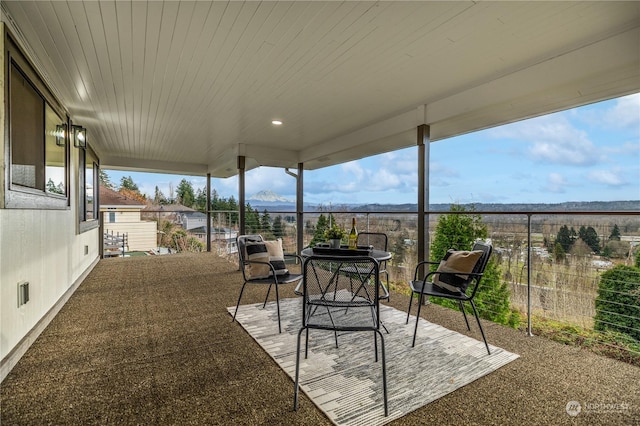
(547,287)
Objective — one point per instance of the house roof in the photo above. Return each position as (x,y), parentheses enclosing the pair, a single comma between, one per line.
(111,198)
(187,87)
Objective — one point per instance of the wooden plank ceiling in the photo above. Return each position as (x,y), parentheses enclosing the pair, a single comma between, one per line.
(186,86)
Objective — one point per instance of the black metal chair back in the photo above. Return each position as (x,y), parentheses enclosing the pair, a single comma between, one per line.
(339,301)
(379,241)
(470,284)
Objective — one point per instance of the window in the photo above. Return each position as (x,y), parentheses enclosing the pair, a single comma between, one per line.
(37,169)
(88,175)
(112,217)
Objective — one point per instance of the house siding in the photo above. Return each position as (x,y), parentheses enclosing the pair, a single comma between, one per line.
(141,236)
(42,247)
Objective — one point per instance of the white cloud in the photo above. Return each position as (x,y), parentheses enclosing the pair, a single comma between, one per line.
(625,112)
(607,177)
(552,139)
(354,168)
(555,183)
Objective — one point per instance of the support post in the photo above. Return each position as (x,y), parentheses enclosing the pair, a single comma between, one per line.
(208,212)
(241,195)
(529,330)
(423,192)
(299,206)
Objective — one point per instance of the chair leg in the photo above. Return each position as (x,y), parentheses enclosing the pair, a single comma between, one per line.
(375,345)
(295,388)
(278,308)
(464,314)
(238,304)
(409,309)
(384,374)
(267,298)
(306,344)
(475,312)
(415,330)
(387,287)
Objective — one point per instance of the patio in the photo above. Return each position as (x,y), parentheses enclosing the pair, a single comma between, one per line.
(149,340)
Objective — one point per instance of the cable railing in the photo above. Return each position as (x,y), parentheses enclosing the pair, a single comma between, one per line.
(554,288)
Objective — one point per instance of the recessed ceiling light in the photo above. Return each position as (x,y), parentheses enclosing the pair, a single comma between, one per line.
(276,122)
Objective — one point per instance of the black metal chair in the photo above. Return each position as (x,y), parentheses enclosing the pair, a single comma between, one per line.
(330,304)
(379,241)
(270,275)
(467,283)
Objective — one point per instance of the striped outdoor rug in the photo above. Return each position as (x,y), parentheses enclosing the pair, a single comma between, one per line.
(346,383)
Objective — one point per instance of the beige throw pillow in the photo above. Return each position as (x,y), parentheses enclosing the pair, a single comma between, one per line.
(257,252)
(455,267)
(276,257)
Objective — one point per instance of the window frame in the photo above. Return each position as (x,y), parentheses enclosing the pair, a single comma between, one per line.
(18,196)
(84,223)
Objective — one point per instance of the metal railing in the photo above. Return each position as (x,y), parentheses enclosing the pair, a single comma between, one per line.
(550,289)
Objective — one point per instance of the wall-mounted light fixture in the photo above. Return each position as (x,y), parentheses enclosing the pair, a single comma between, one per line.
(61,134)
(79,135)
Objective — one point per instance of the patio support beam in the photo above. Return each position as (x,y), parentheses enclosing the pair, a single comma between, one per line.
(241,192)
(300,209)
(299,206)
(208,212)
(423,192)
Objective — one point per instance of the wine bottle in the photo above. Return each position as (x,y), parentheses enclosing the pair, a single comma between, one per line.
(353,235)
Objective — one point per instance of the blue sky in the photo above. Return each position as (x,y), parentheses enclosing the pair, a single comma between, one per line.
(591,153)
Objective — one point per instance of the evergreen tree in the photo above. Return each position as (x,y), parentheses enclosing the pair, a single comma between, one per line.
(590,237)
(265,222)
(252,219)
(201,200)
(565,238)
(278,227)
(185,195)
(126,182)
(460,231)
(158,197)
(130,189)
(53,188)
(617,304)
(615,233)
(558,252)
(105,180)
(318,234)
(232,205)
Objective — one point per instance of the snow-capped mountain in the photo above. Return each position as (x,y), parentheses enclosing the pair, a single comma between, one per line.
(269,196)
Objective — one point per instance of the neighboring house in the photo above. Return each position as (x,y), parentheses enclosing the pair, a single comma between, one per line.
(169,212)
(223,240)
(192,220)
(122,216)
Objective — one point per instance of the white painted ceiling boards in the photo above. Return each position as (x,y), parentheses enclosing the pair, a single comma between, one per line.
(186,86)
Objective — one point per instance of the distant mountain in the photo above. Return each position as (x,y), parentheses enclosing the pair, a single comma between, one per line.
(269,197)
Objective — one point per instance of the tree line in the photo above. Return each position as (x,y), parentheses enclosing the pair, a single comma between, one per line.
(185,195)
(586,241)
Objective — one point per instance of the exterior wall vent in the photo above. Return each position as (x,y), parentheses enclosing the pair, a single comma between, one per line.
(23,293)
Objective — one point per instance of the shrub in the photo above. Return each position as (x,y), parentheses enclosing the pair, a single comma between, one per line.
(618,301)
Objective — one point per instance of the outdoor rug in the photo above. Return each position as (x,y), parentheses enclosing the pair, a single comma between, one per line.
(346,383)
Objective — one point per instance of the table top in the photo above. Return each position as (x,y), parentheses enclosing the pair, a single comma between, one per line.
(379,255)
